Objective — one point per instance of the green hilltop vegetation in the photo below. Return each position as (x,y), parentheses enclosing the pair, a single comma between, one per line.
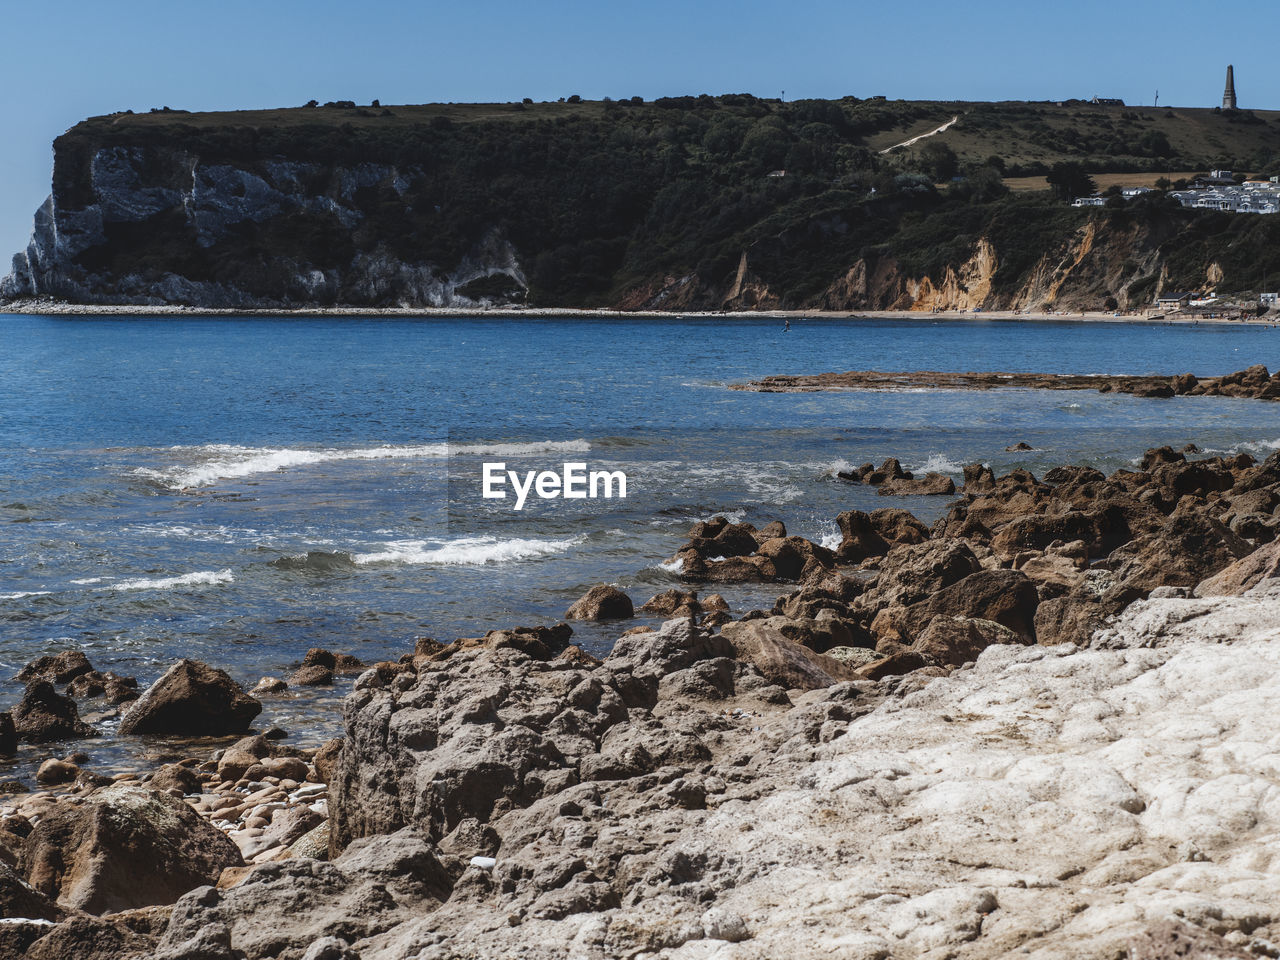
(606,201)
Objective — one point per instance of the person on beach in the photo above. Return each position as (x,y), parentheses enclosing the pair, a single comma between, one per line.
(786,326)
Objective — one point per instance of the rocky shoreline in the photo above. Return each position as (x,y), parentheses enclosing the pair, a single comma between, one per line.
(1255,383)
(1034,728)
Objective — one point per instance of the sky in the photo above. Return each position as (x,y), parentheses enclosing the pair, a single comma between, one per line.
(63,60)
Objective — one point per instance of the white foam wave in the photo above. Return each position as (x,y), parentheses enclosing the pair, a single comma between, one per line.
(198,579)
(24,593)
(1260,447)
(938,463)
(231,462)
(831,537)
(467,551)
(673,566)
(837,467)
(88,581)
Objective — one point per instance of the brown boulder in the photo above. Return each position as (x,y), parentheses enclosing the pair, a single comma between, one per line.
(59,669)
(790,555)
(1005,596)
(859,538)
(1038,531)
(958,640)
(668,602)
(124,847)
(174,776)
(1248,571)
(894,665)
(53,772)
(313,675)
(783,661)
(43,715)
(604,602)
(1190,547)
(930,485)
(912,572)
(978,478)
(327,759)
(192,698)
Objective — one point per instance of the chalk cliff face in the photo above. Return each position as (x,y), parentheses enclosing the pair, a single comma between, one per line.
(163,225)
(317,208)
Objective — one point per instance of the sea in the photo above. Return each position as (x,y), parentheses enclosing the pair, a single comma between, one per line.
(239,490)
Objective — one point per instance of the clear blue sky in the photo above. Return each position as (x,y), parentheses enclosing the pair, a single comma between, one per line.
(62,61)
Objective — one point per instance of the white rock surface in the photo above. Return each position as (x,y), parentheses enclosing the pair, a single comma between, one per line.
(1048,802)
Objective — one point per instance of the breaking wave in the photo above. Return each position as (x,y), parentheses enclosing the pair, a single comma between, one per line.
(198,579)
(938,463)
(467,551)
(231,462)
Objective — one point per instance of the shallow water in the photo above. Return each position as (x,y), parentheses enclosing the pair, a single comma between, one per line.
(239,490)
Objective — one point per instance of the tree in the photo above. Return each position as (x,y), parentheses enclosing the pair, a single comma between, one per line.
(1069,180)
(1163,184)
(939,161)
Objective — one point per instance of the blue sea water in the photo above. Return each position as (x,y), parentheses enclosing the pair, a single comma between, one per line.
(239,490)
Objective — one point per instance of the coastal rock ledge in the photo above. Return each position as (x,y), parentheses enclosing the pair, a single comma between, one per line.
(1118,799)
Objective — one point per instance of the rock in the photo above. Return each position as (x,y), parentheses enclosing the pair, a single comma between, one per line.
(859,538)
(174,776)
(854,656)
(1019,447)
(89,938)
(1189,548)
(783,661)
(893,665)
(958,640)
(192,698)
(314,675)
(124,847)
(930,485)
(1240,576)
(327,758)
(8,735)
(283,908)
(268,685)
(43,715)
(19,899)
(1005,596)
(243,754)
(286,768)
(603,602)
(898,526)
(912,572)
(667,603)
(790,555)
(53,772)
(978,478)
(59,669)
(1038,531)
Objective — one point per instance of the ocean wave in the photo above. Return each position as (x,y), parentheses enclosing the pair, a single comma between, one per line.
(231,462)
(830,535)
(1261,447)
(467,551)
(316,561)
(938,463)
(18,595)
(673,566)
(838,466)
(198,579)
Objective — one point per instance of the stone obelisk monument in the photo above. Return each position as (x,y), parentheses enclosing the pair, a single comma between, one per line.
(1229,94)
